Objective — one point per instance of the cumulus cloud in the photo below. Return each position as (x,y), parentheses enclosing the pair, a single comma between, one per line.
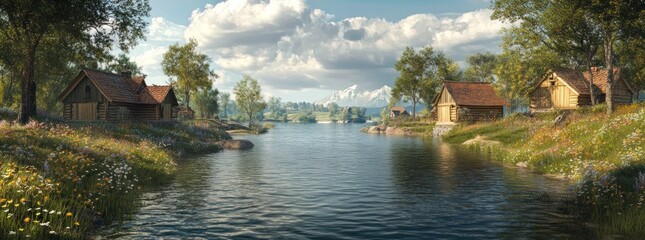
(161,29)
(288,46)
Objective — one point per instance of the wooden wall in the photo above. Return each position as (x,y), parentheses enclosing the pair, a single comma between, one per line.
(622,94)
(446,111)
(78,94)
(555,95)
(479,113)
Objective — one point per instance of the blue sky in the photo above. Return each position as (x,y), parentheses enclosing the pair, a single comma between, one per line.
(303,50)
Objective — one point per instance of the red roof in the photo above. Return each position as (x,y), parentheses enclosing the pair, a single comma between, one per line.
(119,88)
(474,94)
(580,82)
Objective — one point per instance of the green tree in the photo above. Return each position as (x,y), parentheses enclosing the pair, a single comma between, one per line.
(334,110)
(573,29)
(188,68)
(276,110)
(248,97)
(481,67)
(225,103)
(25,26)
(123,63)
(420,74)
(206,101)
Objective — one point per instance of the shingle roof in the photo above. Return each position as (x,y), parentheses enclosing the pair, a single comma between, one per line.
(119,88)
(580,82)
(474,94)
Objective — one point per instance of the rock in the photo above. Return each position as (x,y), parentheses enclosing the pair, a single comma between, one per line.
(522,164)
(395,131)
(236,144)
(374,130)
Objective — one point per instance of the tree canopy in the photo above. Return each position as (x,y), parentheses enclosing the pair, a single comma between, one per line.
(248,97)
(90,27)
(188,69)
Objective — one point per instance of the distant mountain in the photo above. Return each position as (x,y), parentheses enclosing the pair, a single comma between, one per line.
(356,97)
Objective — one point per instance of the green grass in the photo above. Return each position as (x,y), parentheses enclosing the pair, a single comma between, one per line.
(56,179)
(604,155)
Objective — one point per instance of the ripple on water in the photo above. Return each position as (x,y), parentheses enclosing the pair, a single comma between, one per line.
(332,182)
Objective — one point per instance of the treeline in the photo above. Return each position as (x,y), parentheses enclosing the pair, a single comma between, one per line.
(544,35)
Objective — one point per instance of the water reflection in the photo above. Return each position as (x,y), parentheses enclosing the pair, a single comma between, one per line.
(330,181)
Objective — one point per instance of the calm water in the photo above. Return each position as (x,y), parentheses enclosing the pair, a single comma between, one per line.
(326,181)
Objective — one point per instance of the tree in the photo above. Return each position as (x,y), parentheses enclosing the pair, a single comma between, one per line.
(206,101)
(276,110)
(188,68)
(26,24)
(122,64)
(248,96)
(481,67)
(573,29)
(334,110)
(225,103)
(420,74)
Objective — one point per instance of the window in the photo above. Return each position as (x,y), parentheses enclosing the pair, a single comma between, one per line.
(552,83)
(88,92)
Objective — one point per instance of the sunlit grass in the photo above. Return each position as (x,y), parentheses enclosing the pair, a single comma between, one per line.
(604,155)
(61,181)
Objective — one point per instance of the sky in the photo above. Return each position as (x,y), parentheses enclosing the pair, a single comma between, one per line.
(304,50)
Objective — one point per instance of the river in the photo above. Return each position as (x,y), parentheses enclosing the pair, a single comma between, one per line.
(329,181)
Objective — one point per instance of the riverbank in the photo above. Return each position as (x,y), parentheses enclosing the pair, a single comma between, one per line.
(403,127)
(605,156)
(63,181)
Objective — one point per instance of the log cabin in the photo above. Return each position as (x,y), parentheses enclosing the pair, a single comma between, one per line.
(396,112)
(567,89)
(102,96)
(467,102)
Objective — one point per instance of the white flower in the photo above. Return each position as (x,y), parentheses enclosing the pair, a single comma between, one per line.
(12,233)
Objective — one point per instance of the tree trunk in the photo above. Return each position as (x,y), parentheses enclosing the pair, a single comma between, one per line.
(592,92)
(28,87)
(187,94)
(610,74)
(7,97)
(414,108)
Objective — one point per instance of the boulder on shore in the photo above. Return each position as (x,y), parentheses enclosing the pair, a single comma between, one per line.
(236,144)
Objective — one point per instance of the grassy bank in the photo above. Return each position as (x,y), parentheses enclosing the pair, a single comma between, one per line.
(605,156)
(62,180)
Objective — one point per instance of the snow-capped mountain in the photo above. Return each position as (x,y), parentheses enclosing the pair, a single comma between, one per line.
(356,97)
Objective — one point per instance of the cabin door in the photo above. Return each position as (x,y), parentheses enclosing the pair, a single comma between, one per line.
(84,111)
(443,113)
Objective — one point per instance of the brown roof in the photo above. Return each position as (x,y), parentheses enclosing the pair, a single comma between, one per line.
(119,88)
(400,109)
(474,94)
(580,82)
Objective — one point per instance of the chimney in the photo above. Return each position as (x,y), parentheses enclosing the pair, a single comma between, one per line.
(594,68)
(126,74)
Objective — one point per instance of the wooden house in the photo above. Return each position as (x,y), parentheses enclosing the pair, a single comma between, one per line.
(101,96)
(569,89)
(467,101)
(396,112)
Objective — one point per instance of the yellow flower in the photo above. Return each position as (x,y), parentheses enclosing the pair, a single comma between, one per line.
(77,224)
(10,201)
(69,214)
(21,229)
(22,200)
(27,219)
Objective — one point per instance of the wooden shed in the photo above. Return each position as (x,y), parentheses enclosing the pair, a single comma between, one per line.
(96,95)
(396,112)
(468,101)
(569,89)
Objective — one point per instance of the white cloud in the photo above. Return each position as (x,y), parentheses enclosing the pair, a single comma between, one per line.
(161,29)
(288,46)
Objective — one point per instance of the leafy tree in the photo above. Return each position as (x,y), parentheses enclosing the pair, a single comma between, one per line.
(420,74)
(206,101)
(334,110)
(123,63)
(276,110)
(225,103)
(188,68)
(307,117)
(248,96)
(573,29)
(26,26)
(481,67)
